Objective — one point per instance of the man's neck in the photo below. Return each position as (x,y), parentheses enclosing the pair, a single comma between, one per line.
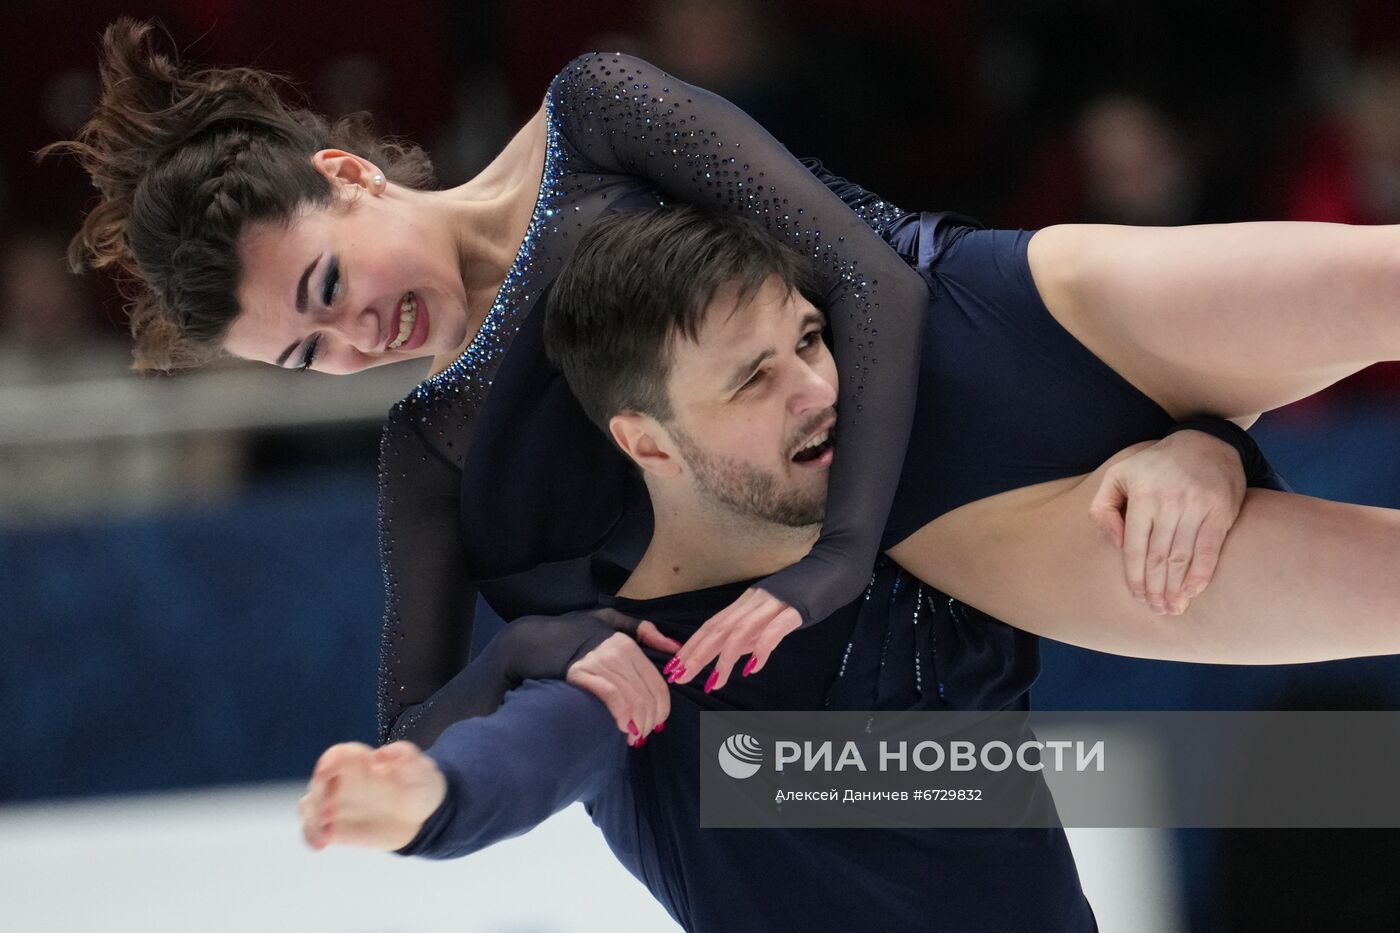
(695,551)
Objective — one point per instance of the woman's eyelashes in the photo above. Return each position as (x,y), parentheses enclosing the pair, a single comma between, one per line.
(330,288)
(330,291)
(308,356)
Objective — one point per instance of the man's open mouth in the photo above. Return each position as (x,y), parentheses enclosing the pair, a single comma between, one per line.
(814,448)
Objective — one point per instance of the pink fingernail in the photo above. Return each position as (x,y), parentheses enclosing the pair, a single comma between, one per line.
(710,682)
(640,742)
(633,727)
(670,666)
(659,726)
(748,668)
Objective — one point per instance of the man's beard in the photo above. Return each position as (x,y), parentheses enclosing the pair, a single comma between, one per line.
(747,490)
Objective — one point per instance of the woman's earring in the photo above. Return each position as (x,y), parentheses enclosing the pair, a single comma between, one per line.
(378,181)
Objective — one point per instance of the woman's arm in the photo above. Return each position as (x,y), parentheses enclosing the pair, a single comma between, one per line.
(429,601)
(1299,579)
(624,116)
(1225,319)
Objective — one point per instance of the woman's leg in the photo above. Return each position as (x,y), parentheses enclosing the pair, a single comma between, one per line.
(1299,579)
(1227,319)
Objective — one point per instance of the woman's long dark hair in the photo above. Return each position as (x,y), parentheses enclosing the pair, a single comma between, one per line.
(183,160)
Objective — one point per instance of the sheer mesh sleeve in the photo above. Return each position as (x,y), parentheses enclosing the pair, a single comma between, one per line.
(620,115)
(873,210)
(529,648)
(428,600)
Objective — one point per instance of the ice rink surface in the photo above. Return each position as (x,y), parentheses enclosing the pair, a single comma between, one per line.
(233,860)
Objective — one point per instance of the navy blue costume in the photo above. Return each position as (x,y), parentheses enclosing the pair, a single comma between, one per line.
(646,801)
(494,482)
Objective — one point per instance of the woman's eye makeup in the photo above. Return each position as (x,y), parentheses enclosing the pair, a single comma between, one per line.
(308,357)
(330,288)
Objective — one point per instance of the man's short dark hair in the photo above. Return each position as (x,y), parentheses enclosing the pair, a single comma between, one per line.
(635,283)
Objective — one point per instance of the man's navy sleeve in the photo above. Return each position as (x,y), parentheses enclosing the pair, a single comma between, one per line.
(550,745)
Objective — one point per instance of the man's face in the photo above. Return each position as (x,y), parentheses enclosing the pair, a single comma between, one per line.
(752,402)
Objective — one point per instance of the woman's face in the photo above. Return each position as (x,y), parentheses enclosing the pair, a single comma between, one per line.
(365,281)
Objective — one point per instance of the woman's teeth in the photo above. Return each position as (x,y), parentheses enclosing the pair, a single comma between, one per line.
(408,313)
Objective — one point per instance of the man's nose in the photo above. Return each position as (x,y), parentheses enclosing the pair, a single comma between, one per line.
(816,390)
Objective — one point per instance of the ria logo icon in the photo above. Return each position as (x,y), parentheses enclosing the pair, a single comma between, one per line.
(740,756)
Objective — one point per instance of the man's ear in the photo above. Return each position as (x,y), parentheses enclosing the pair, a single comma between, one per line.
(643,439)
(346,169)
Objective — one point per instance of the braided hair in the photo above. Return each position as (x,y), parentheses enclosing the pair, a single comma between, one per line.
(182,161)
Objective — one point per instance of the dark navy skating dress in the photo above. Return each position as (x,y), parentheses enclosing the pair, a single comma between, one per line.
(493,481)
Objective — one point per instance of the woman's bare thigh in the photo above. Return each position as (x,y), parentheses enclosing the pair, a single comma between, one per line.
(1225,319)
(1299,579)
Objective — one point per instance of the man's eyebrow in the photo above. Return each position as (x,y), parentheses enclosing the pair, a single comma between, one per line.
(742,373)
(813,319)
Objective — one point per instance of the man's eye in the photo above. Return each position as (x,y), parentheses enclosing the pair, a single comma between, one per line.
(752,380)
(810,339)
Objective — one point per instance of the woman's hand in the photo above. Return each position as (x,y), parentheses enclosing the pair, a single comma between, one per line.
(376,798)
(619,673)
(1181,496)
(754,625)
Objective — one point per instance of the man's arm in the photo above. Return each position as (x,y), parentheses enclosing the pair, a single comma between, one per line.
(484,780)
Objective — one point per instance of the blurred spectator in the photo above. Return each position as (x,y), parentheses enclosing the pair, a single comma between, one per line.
(50,326)
(1123,161)
(1136,166)
(1349,169)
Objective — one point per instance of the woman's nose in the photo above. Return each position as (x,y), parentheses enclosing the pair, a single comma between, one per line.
(360,328)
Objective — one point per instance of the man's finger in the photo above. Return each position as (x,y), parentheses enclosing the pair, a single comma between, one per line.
(1159,546)
(1106,511)
(1179,560)
(650,636)
(607,694)
(1137,532)
(1209,542)
(655,688)
(633,698)
(647,702)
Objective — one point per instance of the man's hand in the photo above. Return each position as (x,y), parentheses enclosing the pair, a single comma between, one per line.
(376,798)
(1181,496)
(620,674)
(753,625)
